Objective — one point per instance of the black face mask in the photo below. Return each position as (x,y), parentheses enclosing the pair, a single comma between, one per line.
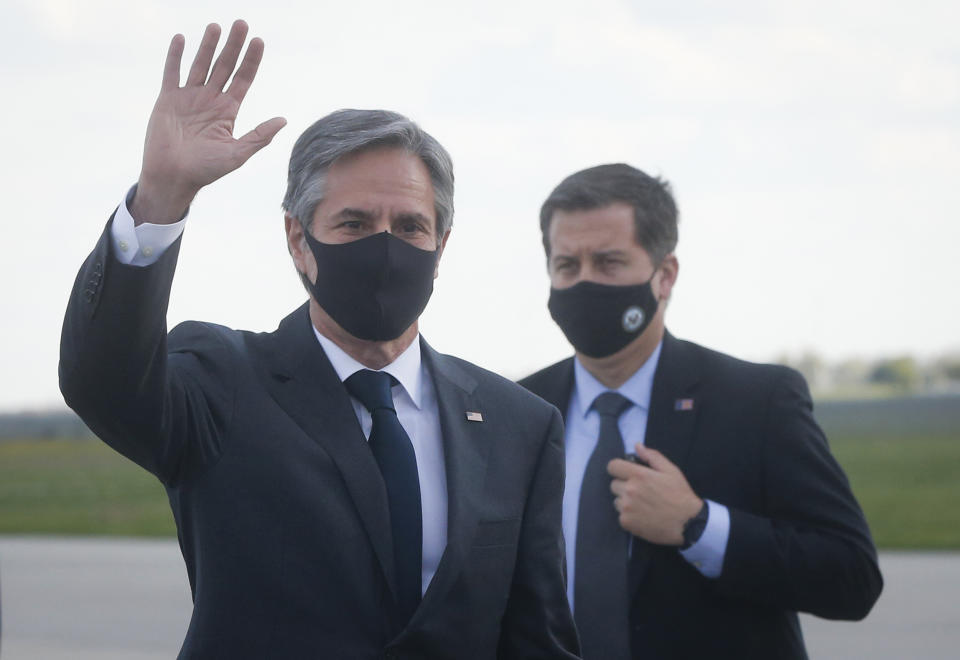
(374,287)
(601,319)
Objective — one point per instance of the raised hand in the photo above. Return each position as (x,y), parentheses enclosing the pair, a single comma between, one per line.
(189,141)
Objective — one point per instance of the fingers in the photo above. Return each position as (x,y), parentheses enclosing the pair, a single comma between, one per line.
(657,461)
(228,56)
(618,487)
(171,68)
(225,64)
(619,468)
(201,63)
(247,71)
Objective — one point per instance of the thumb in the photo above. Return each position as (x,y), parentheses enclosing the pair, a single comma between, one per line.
(657,461)
(260,137)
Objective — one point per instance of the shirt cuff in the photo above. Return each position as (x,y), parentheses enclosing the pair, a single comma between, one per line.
(706,555)
(144,244)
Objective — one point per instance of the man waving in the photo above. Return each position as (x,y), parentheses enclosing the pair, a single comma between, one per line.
(340,489)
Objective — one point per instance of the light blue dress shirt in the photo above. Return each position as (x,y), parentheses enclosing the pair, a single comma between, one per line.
(582,432)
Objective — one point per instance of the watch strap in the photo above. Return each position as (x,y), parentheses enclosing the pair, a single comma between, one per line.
(693,528)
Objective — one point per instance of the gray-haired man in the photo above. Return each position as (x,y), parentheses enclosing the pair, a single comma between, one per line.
(340,489)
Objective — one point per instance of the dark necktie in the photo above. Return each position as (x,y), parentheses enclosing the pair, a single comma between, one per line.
(394,453)
(600,576)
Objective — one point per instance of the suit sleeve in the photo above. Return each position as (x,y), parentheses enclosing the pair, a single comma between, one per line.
(537,622)
(163,410)
(810,549)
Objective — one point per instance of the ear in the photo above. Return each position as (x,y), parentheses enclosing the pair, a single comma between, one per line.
(669,269)
(297,246)
(443,244)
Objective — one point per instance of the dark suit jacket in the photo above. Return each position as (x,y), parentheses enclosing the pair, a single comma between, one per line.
(280,509)
(798,540)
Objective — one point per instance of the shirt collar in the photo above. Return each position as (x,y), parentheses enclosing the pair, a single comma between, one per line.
(406,368)
(637,388)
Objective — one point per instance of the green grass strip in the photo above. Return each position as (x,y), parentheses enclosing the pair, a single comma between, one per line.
(909,488)
(78,487)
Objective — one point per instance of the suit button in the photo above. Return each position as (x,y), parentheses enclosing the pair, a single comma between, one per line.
(88,295)
(390,654)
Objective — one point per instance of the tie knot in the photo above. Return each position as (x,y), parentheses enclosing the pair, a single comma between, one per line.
(372,389)
(611,404)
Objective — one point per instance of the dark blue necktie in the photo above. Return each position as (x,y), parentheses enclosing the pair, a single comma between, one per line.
(600,575)
(394,453)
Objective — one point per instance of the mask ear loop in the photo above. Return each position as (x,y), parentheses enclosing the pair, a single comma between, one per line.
(650,282)
(655,269)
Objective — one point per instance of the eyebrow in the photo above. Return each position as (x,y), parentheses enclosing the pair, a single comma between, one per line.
(608,253)
(355,214)
(562,261)
(419,217)
(603,254)
(350,213)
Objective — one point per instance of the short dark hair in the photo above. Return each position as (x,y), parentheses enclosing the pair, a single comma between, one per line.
(654,211)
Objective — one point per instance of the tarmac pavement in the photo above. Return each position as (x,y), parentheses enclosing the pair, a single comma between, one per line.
(128,599)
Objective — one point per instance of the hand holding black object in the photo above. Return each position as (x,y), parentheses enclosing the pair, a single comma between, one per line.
(693,528)
(654,501)
(633,458)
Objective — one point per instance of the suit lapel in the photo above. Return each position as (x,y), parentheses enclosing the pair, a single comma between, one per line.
(554,385)
(303,382)
(671,423)
(673,404)
(559,388)
(466,448)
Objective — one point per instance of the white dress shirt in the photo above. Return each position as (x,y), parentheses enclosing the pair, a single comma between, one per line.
(582,433)
(143,244)
(416,404)
(415,400)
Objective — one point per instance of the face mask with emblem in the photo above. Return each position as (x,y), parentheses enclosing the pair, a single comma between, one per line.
(601,319)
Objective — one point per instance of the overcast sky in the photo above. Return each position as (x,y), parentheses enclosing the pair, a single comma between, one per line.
(813,147)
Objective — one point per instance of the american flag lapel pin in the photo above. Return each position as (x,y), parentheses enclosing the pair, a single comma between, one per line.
(683,404)
(474,416)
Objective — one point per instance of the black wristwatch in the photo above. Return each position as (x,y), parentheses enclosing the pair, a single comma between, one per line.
(693,528)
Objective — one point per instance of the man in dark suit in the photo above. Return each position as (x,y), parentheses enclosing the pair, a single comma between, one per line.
(732,515)
(340,489)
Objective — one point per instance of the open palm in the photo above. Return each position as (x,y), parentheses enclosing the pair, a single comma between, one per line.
(189,141)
